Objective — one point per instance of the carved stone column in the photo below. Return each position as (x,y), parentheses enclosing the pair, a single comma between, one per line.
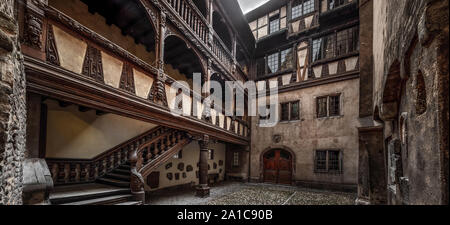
(203,190)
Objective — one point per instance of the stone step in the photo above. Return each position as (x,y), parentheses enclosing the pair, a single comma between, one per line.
(120,177)
(130,203)
(114,182)
(110,200)
(76,193)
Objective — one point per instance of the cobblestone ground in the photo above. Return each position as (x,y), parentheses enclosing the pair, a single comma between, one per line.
(256,194)
(263,194)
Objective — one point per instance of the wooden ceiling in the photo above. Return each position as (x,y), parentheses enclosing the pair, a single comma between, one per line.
(132,19)
(129,16)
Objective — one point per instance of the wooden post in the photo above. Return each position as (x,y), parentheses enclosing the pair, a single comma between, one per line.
(203,190)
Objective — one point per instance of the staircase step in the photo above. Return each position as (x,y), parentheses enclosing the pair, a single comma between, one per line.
(125,167)
(114,182)
(123,172)
(76,193)
(130,203)
(110,200)
(120,177)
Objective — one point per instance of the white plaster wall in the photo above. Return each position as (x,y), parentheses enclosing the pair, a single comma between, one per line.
(191,156)
(73,134)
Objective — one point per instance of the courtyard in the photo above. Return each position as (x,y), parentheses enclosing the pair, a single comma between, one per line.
(254,194)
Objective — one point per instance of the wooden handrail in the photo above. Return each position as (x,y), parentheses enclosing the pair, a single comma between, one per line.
(149,155)
(67,171)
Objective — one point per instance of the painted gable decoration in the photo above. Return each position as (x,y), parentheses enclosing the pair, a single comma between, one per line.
(92,65)
(158,93)
(127,79)
(50,50)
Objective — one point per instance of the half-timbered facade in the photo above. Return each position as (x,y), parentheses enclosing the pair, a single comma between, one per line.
(309,50)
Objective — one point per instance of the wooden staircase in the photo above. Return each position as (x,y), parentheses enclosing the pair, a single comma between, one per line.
(114,185)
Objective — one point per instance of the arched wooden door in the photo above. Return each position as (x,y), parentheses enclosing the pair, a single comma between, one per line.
(278,167)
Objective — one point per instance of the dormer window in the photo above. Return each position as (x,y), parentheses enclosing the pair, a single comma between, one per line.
(302,7)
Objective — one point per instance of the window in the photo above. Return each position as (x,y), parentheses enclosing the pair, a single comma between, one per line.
(321,161)
(273,63)
(302,7)
(332,4)
(280,61)
(335,108)
(286,59)
(290,111)
(336,44)
(322,104)
(274,25)
(285,112)
(347,41)
(329,106)
(179,155)
(295,111)
(297,10)
(328,161)
(211,154)
(236,159)
(308,6)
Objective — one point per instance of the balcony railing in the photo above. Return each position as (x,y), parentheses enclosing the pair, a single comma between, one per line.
(200,26)
(193,18)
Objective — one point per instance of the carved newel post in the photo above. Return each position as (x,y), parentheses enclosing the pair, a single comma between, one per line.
(203,189)
(137,181)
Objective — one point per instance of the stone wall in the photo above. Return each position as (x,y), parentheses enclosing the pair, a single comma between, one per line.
(310,133)
(411,96)
(12,107)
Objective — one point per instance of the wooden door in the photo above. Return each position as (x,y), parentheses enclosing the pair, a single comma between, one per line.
(278,167)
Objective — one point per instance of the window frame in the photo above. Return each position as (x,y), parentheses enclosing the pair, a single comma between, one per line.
(303,14)
(279,52)
(328,106)
(328,162)
(322,43)
(290,109)
(276,18)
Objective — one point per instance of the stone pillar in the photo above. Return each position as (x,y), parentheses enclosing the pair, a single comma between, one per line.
(12,107)
(203,189)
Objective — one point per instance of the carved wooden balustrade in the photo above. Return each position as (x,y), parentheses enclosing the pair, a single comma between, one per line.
(191,15)
(219,49)
(73,171)
(151,154)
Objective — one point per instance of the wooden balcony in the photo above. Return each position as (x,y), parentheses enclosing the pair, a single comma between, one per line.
(87,77)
